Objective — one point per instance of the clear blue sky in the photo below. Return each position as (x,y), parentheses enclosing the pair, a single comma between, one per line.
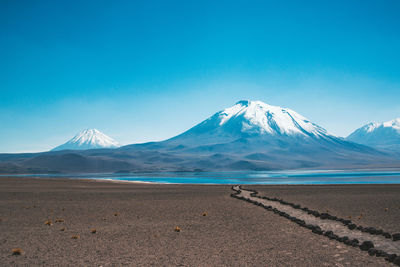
(148,70)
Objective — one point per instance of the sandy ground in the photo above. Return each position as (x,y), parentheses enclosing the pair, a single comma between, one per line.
(367,205)
(135,225)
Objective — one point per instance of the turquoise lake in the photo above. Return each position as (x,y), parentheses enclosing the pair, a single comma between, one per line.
(268,177)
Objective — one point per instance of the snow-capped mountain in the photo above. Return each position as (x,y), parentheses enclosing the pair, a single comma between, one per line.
(88,139)
(257,136)
(254,118)
(250,135)
(383,135)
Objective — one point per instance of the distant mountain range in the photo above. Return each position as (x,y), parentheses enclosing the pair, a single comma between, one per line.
(384,135)
(250,135)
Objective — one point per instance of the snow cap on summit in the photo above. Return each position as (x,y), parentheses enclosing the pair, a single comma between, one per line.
(267,119)
(253,118)
(89,139)
(378,134)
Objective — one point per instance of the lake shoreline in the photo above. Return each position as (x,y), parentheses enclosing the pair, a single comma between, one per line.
(294,177)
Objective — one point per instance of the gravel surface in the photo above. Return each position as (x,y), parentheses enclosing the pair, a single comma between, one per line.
(135,225)
(367,205)
(319,225)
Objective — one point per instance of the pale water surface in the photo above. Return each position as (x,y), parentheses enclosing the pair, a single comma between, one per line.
(255,177)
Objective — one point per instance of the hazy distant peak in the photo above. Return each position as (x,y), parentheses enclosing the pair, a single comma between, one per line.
(370,127)
(378,134)
(89,139)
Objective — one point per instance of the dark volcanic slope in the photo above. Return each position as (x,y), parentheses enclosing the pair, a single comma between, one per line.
(234,233)
(241,154)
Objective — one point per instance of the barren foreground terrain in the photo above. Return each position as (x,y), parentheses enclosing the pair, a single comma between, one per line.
(77,222)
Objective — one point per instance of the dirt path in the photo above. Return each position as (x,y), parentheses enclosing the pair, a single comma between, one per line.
(332,228)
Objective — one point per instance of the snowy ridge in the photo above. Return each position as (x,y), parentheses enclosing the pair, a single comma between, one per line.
(256,116)
(370,127)
(394,124)
(378,134)
(89,139)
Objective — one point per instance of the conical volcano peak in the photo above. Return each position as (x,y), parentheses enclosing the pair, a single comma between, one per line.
(252,119)
(262,118)
(89,139)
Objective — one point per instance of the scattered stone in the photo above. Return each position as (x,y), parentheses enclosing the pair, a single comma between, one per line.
(354,244)
(346,222)
(204,213)
(309,226)
(387,235)
(59,220)
(93,231)
(63,229)
(335,237)
(317,230)
(75,237)
(48,222)
(17,251)
(177,229)
(396,236)
(366,245)
(390,257)
(324,216)
(380,253)
(352,226)
(347,242)
(328,233)
(371,251)
(397,261)
(316,214)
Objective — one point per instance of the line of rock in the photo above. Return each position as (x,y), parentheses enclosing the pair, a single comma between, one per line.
(366,245)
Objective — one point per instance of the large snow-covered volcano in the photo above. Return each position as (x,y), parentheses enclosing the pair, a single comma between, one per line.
(252,119)
(382,135)
(257,136)
(88,139)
